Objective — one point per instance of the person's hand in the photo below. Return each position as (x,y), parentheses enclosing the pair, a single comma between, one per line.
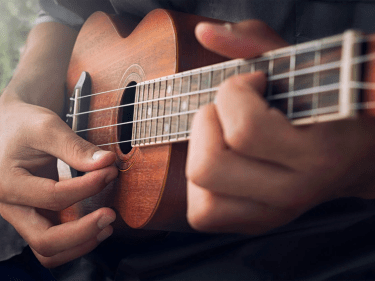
(248,169)
(32,137)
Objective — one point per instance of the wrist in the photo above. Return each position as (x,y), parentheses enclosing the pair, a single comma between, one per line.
(42,91)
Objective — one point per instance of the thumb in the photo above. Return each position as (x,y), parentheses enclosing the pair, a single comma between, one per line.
(246,39)
(60,141)
(85,156)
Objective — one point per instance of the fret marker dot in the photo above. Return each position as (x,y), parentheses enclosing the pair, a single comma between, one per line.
(149,111)
(169,89)
(184,105)
(166,128)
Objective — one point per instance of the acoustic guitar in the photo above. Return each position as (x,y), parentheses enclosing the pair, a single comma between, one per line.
(135,92)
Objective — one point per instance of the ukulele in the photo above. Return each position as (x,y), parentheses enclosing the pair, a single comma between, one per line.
(135,92)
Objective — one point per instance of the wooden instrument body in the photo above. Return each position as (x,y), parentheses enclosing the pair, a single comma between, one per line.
(150,191)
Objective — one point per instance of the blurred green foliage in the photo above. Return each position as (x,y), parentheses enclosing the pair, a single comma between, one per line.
(16,19)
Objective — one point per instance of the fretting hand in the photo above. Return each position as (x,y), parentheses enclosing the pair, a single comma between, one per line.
(249,170)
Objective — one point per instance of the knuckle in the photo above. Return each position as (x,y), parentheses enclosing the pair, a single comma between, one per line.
(40,133)
(202,171)
(202,218)
(240,136)
(53,202)
(242,130)
(41,246)
(45,123)
(77,146)
(237,83)
(6,186)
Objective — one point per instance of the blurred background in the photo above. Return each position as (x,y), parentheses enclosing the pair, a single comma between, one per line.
(16,19)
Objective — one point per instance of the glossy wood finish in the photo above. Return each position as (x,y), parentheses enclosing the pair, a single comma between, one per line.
(162,44)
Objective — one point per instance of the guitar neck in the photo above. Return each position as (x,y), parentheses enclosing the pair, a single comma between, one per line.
(310,82)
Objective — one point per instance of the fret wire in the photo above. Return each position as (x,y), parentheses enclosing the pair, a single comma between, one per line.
(157,107)
(346,72)
(291,82)
(170,118)
(222,78)
(270,73)
(164,106)
(179,105)
(152,86)
(252,68)
(162,121)
(237,69)
(316,82)
(188,104)
(199,88)
(148,109)
(210,77)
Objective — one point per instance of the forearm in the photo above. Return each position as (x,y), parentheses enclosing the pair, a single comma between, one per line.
(41,73)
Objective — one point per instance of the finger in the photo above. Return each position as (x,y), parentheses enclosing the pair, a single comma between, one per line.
(26,189)
(74,253)
(246,39)
(212,165)
(48,239)
(53,136)
(251,128)
(215,212)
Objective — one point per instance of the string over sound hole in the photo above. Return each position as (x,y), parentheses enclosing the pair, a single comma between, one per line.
(126,114)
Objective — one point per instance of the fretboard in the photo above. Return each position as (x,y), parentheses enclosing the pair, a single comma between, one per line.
(310,82)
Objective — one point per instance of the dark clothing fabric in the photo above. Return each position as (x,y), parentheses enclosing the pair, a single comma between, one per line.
(333,241)
(11,242)
(24,267)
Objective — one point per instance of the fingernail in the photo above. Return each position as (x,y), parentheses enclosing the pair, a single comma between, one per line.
(104,221)
(99,154)
(104,234)
(224,29)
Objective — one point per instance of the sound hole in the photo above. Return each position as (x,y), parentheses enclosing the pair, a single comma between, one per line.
(125,116)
